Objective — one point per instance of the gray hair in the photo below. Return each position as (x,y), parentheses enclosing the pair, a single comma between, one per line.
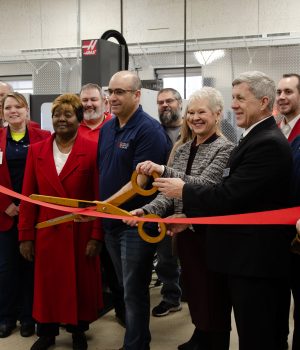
(213,96)
(175,93)
(259,84)
(11,89)
(92,86)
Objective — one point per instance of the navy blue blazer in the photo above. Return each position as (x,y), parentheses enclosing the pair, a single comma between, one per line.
(296,171)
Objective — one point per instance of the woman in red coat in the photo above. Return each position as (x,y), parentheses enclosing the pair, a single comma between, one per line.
(67,271)
(16,274)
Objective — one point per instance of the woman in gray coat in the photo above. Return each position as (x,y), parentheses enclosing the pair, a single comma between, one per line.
(199,157)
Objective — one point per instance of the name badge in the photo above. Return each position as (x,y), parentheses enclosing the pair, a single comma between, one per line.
(1,157)
(226,172)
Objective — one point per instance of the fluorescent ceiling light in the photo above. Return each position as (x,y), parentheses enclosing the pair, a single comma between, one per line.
(209,56)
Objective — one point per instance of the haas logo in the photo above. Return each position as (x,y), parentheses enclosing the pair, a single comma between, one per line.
(89,47)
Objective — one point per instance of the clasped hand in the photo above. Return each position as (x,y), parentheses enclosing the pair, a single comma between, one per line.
(12,210)
(131,221)
(172,229)
(93,249)
(170,187)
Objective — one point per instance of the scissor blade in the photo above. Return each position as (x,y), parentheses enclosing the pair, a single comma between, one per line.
(56,221)
(101,207)
(108,208)
(120,199)
(75,203)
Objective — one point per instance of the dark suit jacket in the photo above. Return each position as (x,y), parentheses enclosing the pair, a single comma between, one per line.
(295,145)
(257,178)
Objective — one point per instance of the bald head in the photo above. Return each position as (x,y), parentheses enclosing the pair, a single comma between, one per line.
(5,89)
(131,78)
(124,95)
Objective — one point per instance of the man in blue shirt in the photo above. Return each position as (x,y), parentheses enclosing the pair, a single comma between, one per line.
(129,138)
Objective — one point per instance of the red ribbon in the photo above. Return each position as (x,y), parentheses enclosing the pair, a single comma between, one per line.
(287,216)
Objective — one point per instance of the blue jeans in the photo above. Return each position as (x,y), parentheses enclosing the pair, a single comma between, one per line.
(132,258)
(168,271)
(16,281)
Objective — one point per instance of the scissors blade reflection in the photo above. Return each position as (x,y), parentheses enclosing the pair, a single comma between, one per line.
(110,206)
(68,202)
(56,221)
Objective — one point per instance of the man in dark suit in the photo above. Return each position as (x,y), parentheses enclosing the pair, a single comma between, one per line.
(253,260)
(295,281)
(288,105)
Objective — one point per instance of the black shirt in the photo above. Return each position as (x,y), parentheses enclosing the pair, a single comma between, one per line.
(16,154)
(194,149)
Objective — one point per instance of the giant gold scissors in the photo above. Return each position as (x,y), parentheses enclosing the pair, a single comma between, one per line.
(109,206)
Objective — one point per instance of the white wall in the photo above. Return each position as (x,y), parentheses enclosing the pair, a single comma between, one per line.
(42,24)
(34,24)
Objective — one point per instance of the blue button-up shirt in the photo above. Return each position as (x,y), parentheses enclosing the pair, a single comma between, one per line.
(121,149)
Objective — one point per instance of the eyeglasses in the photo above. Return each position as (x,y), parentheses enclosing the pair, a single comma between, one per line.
(118,92)
(167,101)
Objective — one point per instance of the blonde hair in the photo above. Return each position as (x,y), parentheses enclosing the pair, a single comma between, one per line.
(215,104)
(186,134)
(18,97)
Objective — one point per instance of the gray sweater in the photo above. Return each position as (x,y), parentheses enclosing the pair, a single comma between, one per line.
(207,169)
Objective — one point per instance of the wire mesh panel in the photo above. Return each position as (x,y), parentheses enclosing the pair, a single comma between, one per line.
(272,60)
(56,77)
(47,78)
(63,73)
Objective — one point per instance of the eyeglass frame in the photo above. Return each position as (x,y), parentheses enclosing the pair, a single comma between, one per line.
(119,91)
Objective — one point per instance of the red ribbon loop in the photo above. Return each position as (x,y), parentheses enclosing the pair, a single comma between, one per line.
(288,216)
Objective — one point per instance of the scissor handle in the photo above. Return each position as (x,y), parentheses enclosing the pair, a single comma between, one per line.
(140,190)
(148,238)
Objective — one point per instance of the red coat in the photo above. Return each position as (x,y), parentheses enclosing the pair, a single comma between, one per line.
(35,135)
(67,283)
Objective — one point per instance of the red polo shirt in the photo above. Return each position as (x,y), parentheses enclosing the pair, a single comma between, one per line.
(92,134)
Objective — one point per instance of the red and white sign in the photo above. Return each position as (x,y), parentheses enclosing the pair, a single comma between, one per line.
(89,47)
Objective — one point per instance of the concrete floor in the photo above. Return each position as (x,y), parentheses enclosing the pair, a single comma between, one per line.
(106,334)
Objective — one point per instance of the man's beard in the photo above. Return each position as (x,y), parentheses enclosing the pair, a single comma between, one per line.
(92,114)
(169,117)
